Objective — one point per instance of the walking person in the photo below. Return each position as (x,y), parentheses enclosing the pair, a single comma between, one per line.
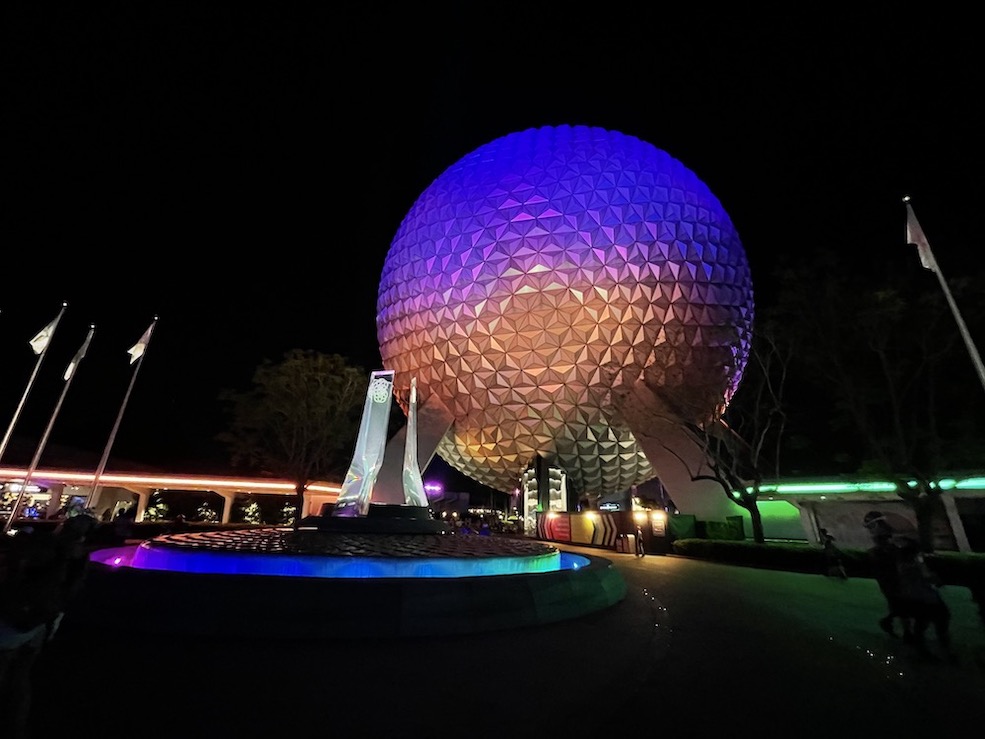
(834,565)
(123,522)
(640,547)
(921,598)
(884,558)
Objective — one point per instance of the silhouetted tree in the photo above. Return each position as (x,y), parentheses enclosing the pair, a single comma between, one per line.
(885,349)
(741,442)
(299,420)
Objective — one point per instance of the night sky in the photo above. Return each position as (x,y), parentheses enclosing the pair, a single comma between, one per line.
(240,173)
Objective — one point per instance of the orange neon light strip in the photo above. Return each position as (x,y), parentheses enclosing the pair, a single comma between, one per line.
(181,482)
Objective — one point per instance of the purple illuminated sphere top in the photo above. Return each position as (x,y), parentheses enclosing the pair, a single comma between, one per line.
(542,270)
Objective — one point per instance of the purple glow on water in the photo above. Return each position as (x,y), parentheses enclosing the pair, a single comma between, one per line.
(148,557)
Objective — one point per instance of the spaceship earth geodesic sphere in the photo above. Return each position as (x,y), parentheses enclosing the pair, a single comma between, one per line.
(545,268)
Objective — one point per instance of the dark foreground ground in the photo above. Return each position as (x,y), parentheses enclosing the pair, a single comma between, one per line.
(695,649)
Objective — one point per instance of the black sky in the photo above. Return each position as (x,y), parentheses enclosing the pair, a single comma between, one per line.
(240,172)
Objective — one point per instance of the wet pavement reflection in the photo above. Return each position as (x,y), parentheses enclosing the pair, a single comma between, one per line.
(695,648)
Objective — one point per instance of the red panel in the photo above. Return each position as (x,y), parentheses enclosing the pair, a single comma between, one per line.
(560,527)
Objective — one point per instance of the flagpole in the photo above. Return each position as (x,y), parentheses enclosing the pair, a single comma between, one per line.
(137,351)
(975,358)
(50,329)
(929,262)
(69,375)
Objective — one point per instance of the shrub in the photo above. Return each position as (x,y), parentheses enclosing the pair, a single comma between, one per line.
(954,568)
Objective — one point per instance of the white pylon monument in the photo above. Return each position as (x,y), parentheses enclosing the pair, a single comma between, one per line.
(360,479)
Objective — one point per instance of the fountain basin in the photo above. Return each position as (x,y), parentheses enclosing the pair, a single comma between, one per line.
(265,582)
(316,553)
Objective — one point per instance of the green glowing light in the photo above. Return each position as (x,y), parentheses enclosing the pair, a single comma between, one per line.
(970,483)
(826,488)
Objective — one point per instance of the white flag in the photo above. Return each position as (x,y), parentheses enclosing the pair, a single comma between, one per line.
(137,350)
(40,342)
(915,235)
(70,370)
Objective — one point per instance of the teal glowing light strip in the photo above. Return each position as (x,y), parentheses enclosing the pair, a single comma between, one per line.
(970,483)
(827,488)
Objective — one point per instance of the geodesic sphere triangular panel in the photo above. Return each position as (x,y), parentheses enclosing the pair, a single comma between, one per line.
(542,270)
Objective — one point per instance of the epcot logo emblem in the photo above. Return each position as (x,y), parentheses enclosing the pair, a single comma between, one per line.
(379,390)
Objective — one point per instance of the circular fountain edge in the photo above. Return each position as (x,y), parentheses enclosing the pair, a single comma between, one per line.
(248,605)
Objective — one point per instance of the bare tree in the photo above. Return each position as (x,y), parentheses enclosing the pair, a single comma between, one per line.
(740,443)
(880,351)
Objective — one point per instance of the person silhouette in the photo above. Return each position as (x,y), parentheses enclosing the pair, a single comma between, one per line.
(919,592)
(884,557)
(833,564)
(640,548)
(40,576)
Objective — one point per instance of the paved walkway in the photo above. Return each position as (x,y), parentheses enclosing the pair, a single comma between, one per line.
(696,649)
